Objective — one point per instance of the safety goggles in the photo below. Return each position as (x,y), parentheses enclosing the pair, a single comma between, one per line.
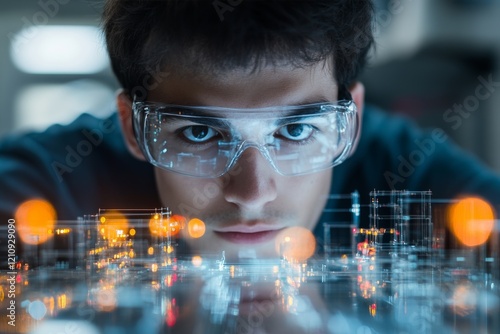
(207,141)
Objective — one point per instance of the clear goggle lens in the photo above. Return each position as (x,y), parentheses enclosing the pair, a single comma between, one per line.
(207,141)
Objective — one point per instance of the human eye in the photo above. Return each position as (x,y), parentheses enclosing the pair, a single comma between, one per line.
(296,131)
(199,134)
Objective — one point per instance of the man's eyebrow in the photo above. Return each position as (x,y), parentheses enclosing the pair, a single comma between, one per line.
(310,100)
(205,120)
(299,114)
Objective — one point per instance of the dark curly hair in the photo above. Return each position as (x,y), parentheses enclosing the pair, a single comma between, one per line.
(147,37)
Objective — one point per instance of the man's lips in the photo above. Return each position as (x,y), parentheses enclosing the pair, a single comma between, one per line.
(247,234)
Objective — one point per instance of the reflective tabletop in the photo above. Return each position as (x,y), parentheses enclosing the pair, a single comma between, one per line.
(415,268)
(207,295)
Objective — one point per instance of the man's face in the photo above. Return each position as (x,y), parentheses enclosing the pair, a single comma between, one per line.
(245,209)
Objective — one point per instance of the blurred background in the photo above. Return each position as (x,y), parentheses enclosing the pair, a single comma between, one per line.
(430,59)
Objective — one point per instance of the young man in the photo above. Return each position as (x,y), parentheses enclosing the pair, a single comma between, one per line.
(236,113)
(271,74)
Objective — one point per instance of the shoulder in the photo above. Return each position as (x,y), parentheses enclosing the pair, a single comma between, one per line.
(382,126)
(62,149)
(394,153)
(85,130)
(78,167)
(393,135)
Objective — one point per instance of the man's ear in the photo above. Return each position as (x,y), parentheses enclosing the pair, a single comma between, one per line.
(357,91)
(124,105)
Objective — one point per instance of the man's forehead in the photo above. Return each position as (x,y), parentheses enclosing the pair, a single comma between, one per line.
(268,85)
(213,70)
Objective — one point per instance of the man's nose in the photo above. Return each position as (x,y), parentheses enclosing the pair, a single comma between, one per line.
(252,181)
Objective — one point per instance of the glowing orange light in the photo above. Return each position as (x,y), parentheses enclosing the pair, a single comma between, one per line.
(365,249)
(196,228)
(114,225)
(51,304)
(196,260)
(295,243)
(373,309)
(155,225)
(173,226)
(35,218)
(62,301)
(165,226)
(464,300)
(181,220)
(365,285)
(106,299)
(471,221)
(169,281)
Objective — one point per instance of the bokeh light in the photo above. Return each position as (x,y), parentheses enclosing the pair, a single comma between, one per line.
(155,225)
(172,313)
(373,309)
(196,228)
(295,243)
(106,299)
(464,300)
(37,309)
(166,226)
(36,219)
(196,260)
(114,225)
(180,220)
(471,221)
(173,226)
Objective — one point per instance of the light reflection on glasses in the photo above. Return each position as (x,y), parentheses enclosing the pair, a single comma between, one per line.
(207,141)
